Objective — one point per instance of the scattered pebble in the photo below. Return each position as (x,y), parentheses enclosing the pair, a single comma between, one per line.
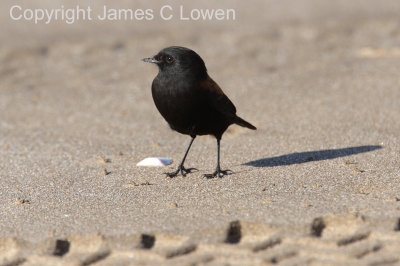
(357,170)
(133,183)
(267,201)
(23,201)
(106,172)
(349,162)
(154,162)
(101,159)
(172,205)
(107,160)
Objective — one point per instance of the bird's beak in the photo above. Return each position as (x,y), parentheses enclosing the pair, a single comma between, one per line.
(150,60)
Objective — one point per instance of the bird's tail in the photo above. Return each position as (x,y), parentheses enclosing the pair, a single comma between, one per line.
(243,123)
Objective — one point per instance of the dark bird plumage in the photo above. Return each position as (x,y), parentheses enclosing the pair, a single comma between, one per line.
(190,101)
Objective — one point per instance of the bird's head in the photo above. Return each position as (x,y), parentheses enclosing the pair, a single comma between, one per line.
(179,60)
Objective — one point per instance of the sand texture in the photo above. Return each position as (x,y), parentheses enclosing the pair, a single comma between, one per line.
(316,184)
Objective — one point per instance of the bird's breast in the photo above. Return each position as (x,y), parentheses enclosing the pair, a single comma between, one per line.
(177,102)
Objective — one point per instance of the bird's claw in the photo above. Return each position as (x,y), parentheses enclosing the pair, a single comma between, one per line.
(184,171)
(220,173)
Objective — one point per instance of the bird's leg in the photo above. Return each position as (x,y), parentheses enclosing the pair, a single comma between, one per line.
(218,172)
(181,169)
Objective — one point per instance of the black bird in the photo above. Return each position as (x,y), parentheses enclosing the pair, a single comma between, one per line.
(190,101)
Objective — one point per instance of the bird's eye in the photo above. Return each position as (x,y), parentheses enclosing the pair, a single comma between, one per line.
(169,59)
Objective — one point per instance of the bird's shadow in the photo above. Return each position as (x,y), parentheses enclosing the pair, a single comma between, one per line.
(303,157)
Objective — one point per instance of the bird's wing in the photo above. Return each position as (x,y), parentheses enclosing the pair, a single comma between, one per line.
(217,98)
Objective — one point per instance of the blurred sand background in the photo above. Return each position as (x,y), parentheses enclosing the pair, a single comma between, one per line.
(317,183)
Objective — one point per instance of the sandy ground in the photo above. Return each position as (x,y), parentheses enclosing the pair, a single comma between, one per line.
(317,183)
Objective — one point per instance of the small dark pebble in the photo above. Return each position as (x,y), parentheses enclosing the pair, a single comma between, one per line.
(106,172)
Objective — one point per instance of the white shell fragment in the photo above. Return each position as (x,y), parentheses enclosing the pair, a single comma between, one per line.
(154,162)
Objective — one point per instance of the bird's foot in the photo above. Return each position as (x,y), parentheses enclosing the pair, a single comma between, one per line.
(181,169)
(218,172)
